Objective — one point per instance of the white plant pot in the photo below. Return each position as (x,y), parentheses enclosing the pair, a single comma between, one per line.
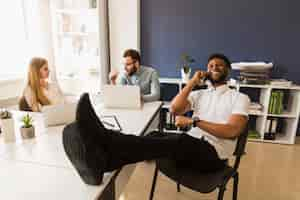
(185,77)
(27,133)
(8,130)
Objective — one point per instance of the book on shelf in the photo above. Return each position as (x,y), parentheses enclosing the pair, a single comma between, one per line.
(271,129)
(276,103)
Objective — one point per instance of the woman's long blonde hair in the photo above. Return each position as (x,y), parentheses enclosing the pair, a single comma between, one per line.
(33,82)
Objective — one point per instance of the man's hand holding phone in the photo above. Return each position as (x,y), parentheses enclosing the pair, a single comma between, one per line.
(198,77)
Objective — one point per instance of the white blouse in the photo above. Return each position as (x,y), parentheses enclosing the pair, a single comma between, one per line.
(53,93)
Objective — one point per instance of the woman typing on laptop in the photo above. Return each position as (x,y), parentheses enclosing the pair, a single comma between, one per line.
(39,91)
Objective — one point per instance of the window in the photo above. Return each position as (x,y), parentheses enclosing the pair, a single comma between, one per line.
(23,35)
(75,27)
(14,49)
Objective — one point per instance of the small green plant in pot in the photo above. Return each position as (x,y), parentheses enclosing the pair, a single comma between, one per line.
(185,66)
(27,129)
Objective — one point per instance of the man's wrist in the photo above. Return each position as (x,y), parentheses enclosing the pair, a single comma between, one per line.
(190,122)
(192,83)
(195,121)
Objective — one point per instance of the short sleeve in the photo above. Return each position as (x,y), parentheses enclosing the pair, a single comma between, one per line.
(241,105)
(193,99)
(154,89)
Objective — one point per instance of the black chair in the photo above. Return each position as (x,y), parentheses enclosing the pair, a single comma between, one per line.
(23,105)
(204,182)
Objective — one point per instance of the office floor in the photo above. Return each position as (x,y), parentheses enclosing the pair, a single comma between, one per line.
(267,172)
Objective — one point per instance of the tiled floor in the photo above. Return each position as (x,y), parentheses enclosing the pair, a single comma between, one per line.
(267,172)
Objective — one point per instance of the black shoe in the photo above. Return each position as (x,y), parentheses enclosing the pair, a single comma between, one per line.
(91,128)
(86,115)
(88,158)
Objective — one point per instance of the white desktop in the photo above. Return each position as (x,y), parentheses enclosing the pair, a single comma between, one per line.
(38,168)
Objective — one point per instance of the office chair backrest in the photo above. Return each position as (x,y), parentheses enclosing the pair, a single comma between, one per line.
(23,105)
(240,147)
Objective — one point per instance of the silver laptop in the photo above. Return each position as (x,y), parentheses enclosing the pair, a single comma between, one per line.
(59,114)
(121,96)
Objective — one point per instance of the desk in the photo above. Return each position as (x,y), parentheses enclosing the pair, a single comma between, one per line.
(39,169)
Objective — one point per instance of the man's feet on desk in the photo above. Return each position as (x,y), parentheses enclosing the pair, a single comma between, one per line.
(84,142)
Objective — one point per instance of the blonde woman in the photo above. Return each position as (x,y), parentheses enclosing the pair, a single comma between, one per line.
(38,91)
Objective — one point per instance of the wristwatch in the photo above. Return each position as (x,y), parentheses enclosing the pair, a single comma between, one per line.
(195,120)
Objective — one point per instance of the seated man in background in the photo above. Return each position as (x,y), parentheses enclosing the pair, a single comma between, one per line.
(136,74)
(220,116)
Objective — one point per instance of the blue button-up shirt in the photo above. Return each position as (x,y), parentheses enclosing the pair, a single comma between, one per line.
(146,78)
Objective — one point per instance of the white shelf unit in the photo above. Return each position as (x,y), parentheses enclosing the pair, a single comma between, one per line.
(290,115)
(76,33)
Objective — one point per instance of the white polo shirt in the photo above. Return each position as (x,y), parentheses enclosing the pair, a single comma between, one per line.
(217,105)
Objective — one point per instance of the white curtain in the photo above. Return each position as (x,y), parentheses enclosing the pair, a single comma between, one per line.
(13,44)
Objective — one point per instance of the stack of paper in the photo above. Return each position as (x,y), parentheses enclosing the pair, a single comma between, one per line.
(252,66)
(255,106)
(253,72)
(281,82)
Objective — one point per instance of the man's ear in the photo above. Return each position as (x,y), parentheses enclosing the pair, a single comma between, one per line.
(137,63)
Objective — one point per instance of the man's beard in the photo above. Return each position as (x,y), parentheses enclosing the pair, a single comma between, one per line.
(221,79)
(133,71)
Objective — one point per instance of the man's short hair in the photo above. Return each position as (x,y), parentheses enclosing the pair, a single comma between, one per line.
(134,54)
(222,57)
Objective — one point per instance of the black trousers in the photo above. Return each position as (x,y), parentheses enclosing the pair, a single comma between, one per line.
(187,151)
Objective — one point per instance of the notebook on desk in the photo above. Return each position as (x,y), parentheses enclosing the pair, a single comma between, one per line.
(59,114)
(122,96)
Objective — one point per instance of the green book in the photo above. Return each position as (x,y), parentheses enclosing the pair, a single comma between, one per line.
(281,102)
(275,102)
(271,103)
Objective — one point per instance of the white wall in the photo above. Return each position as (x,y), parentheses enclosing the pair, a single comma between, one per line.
(124,19)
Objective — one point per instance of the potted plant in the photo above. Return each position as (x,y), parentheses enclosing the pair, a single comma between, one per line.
(93,3)
(185,66)
(27,129)
(7,126)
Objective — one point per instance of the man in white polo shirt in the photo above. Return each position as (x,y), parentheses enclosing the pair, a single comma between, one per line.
(220,115)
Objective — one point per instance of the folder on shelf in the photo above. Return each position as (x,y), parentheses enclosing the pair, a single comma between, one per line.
(276,103)
(273,128)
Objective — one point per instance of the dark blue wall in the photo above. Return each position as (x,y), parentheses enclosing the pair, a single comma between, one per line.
(266,30)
